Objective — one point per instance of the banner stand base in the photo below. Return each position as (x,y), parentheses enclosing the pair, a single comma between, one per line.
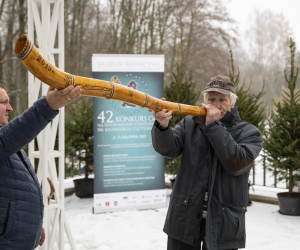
(139,208)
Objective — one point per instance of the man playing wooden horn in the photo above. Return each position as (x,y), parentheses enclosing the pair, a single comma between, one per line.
(209,200)
(21,200)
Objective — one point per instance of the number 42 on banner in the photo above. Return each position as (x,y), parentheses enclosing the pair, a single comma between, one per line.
(102,116)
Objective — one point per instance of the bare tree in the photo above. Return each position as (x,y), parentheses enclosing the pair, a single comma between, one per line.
(10,74)
(203,38)
(268,38)
(78,15)
(6,35)
(132,24)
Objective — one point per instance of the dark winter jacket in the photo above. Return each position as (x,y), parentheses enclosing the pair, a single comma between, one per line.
(21,201)
(220,154)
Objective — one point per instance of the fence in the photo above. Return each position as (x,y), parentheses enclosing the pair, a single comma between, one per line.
(260,175)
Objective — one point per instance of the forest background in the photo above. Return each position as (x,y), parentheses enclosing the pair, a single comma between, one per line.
(206,33)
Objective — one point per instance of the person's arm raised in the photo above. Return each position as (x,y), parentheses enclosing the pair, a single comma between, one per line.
(57,99)
(21,130)
(163,117)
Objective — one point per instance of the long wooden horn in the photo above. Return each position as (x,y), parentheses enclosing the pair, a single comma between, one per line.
(41,68)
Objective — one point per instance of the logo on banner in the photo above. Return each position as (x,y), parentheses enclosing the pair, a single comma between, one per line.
(133,81)
(107,203)
(132,84)
(116,203)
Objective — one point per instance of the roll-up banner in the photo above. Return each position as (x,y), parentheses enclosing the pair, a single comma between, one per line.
(129,174)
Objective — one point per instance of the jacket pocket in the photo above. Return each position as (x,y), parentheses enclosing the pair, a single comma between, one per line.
(176,217)
(9,220)
(232,224)
(192,231)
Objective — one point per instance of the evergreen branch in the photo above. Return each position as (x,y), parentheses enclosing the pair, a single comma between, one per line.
(286,93)
(285,77)
(297,93)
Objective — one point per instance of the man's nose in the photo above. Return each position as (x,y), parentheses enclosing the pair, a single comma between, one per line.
(9,108)
(217,104)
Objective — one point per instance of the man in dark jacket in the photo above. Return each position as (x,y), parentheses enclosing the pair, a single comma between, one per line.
(21,201)
(209,199)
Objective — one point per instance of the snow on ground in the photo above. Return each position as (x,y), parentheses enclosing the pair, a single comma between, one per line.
(267,229)
(142,230)
(124,230)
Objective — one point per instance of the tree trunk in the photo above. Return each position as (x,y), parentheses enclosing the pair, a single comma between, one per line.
(290,182)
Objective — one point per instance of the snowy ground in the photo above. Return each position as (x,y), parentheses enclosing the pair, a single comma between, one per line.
(142,230)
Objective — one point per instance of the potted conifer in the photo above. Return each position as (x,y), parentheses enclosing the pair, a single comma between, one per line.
(283,141)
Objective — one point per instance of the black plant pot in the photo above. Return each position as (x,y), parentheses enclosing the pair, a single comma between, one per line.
(173,182)
(289,204)
(84,188)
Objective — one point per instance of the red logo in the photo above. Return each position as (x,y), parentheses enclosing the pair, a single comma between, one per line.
(107,203)
(163,195)
(116,203)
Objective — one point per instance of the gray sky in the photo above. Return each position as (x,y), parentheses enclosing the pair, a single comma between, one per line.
(241,9)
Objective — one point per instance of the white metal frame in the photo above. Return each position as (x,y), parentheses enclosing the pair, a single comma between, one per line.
(46,23)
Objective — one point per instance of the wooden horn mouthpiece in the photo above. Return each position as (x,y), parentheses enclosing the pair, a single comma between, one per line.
(41,68)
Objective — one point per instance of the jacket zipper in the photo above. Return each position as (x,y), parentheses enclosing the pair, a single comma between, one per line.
(210,190)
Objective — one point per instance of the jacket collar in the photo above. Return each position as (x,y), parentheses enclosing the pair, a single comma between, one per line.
(231,117)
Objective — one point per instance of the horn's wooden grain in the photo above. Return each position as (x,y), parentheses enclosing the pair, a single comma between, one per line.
(41,68)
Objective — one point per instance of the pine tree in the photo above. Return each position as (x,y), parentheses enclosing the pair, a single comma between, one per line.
(180,90)
(79,131)
(250,108)
(283,139)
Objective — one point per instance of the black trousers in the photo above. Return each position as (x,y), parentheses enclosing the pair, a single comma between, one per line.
(178,245)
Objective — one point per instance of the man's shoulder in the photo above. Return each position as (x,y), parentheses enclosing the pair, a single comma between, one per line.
(246,127)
